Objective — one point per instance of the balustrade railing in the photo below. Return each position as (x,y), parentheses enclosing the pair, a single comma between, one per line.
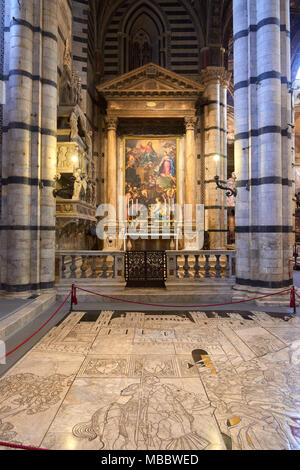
(97,265)
(187,265)
(109,266)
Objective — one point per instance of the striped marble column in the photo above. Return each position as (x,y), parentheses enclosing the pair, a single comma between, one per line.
(262,149)
(216,82)
(48,143)
(16,216)
(29,147)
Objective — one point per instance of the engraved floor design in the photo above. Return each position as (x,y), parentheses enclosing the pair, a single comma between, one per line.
(164,381)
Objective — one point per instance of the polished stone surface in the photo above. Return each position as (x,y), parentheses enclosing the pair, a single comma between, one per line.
(155,380)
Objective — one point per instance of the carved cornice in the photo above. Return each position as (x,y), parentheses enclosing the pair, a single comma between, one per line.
(216,75)
(150,81)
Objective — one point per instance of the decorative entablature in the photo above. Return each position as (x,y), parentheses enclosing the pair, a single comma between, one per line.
(151,92)
(150,81)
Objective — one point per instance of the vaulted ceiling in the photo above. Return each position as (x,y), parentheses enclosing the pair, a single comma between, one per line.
(214,17)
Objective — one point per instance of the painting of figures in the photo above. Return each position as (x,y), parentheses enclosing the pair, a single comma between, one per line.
(151,172)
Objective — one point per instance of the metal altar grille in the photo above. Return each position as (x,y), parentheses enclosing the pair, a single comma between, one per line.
(145,268)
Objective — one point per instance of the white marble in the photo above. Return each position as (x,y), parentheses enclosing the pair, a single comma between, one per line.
(214,385)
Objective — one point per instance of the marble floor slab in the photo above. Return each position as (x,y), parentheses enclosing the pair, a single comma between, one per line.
(154,381)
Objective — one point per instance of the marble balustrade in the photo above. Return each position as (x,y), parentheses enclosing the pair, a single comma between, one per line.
(109,265)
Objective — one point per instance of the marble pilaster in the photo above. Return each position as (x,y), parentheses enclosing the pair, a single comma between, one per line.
(216,81)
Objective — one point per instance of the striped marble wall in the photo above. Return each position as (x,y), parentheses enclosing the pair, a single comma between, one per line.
(179,30)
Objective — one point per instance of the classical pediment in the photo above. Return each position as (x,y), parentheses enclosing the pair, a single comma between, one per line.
(152,81)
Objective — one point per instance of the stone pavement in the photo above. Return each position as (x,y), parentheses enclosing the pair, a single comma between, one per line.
(158,380)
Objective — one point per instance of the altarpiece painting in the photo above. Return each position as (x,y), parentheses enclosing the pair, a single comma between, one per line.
(151,175)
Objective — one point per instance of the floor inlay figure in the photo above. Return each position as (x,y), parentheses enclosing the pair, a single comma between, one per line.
(185,381)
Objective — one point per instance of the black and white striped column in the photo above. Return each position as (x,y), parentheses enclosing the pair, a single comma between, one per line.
(48,142)
(216,82)
(262,150)
(29,146)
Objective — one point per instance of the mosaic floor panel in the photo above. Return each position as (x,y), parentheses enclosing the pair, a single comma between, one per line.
(158,381)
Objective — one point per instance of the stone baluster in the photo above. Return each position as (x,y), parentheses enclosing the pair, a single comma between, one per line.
(93,267)
(73,267)
(63,267)
(207,266)
(197,267)
(228,266)
(83,267)
(186,267)
(218,266)
(114,267)
(104,268)
(177,267)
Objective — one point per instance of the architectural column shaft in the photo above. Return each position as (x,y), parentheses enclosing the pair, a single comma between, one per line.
(49,143)
(29,164)
(215,131)
(17,147)
(262,148)
(269,242)
(190,166)
(112,162)
(242,106)
(288,191)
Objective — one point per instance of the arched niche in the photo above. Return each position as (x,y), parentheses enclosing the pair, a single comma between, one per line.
(144,37)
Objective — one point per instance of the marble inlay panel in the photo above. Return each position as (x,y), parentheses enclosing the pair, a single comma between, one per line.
(164,382)
(285,333)
(150,413)
(260,340)
(32,392)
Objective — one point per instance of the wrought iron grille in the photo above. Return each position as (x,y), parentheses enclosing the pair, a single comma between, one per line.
(145,268)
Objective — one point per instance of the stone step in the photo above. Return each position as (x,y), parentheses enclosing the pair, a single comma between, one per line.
(22,317)
(183,294)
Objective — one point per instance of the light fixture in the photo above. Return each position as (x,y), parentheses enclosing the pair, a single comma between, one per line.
(229,191)
(74,159)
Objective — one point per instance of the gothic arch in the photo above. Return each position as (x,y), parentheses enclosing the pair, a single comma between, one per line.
(144,17)
(177,41)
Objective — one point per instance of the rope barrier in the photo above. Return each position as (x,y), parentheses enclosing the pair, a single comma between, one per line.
(75,301)
(297,295)
(18,446)
(40,329)
(177,306)
(289,265)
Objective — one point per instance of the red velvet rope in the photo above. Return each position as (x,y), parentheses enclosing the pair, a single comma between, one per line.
(181,306)
(40,329)
(297,295)
(18,446)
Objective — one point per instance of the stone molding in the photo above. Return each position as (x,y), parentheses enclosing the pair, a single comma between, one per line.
(152,81)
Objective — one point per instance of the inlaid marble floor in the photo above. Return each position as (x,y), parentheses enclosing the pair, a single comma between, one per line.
(173,381)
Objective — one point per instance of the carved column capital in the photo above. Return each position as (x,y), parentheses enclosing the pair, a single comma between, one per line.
(112,123)
(216,75)
(190,123)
